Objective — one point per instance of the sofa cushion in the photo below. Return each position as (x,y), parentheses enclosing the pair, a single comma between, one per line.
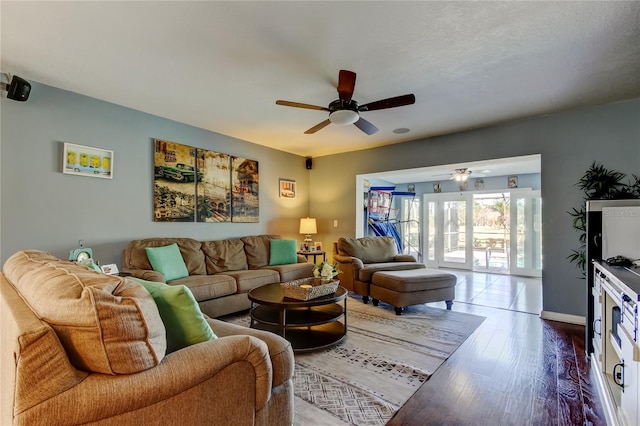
(246,280)
(367,271)
(257,249)
(168,261)
(282,252)
(368,249)
(180,314)
(105,323)
(224,255)
(135,255)
(293,271)
(205,287)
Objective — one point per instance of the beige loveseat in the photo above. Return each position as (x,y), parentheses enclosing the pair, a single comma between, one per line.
(80,347)
(359,258)
(221,272)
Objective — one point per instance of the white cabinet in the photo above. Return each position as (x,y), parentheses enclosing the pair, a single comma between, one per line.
(616,352)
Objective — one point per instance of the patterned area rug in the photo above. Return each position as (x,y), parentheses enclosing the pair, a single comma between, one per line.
(383,360)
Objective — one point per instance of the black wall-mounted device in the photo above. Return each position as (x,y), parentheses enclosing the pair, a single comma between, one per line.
(309,163)
(18,89)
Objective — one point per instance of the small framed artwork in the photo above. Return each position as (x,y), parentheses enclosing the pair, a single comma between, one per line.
(411,187)
(312,249)
(304,247)
(83,160)
(512,181)
(288,188)
(318,245)
(437,188)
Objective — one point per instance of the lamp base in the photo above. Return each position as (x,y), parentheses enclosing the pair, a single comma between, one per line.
(308,239)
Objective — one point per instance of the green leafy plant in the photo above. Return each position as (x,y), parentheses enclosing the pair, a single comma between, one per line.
(598,183)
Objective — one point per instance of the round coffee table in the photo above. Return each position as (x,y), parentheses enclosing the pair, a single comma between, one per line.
(307,324)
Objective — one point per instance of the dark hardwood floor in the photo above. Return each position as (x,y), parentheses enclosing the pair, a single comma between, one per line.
(516,369)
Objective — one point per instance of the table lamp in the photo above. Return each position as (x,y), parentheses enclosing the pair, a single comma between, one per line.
(308,227)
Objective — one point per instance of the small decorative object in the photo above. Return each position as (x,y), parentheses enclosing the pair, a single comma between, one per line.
(325,271)
(110,269)
(437,188)
(287,188)
(479,184)
(318,245)
(512,181)
(411,187)
(81,254)
(308,288)
(87,161)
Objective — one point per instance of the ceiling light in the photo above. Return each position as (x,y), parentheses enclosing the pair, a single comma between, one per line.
(401,130)
(344,117)
(461,175)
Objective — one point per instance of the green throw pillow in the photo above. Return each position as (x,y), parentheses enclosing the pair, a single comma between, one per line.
(180,313)
(283,252)
(168,261)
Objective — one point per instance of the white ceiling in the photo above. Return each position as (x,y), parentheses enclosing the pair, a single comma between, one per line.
(222,65)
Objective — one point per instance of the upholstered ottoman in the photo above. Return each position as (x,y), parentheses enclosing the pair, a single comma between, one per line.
(412,287)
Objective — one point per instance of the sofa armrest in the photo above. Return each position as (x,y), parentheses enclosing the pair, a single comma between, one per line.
(349,268)
(280,350)
(102,396)
(145,274)
(404,258)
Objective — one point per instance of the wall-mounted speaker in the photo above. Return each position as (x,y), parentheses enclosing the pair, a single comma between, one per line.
(309,163)
(18,89)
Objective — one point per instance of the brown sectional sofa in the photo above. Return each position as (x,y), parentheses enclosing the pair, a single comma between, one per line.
(60,322)
(221,272)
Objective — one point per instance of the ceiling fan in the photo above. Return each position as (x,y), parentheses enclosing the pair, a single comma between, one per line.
(459,175)
(345,110)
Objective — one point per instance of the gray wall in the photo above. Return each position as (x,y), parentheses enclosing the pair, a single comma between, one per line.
(568,142)
(41,208)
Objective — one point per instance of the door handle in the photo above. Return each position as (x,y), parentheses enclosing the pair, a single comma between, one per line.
(618,376)
(595,329)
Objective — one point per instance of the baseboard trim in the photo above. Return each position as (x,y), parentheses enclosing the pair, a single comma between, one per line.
(557,316)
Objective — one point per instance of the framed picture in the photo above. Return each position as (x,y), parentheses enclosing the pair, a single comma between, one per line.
(287,188)
(304,247)
(312,249)
(83,160)
(512,181)
(437,188)
(318,245)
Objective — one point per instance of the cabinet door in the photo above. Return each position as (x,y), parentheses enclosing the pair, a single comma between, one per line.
(629,400)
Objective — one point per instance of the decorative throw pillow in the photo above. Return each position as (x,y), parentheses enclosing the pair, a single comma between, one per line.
(107,324)
(283,252)
(180,313)
(168,261)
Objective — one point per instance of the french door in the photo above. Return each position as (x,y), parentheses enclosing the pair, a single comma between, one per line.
(487,232)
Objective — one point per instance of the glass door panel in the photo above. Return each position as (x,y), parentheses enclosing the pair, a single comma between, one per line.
(454,233)
(527,251)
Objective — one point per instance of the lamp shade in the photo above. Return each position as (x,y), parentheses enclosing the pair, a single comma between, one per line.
(308,226)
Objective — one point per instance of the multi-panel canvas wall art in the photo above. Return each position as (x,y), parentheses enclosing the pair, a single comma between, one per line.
(202,185)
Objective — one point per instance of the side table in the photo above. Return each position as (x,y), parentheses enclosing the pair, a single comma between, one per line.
(306,254)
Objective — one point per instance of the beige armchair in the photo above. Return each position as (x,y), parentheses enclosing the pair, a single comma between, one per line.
(359,258)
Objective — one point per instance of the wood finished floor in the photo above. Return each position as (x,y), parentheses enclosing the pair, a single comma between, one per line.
(516,369)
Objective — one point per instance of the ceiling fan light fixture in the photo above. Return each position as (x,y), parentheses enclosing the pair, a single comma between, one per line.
(344,117)
(461,175)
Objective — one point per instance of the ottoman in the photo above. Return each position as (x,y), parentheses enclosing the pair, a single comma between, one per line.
(412,287)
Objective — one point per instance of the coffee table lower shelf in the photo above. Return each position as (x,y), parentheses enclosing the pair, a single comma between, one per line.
(308,324)
(308,338)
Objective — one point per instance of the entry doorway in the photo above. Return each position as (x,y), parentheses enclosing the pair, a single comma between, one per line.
(497,232)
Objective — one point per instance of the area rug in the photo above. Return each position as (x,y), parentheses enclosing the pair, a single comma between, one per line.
(382,361)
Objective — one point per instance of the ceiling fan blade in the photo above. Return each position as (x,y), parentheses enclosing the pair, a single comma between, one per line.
(317,127)
(365,126)
(389,103)
(299,105)
(346,85)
